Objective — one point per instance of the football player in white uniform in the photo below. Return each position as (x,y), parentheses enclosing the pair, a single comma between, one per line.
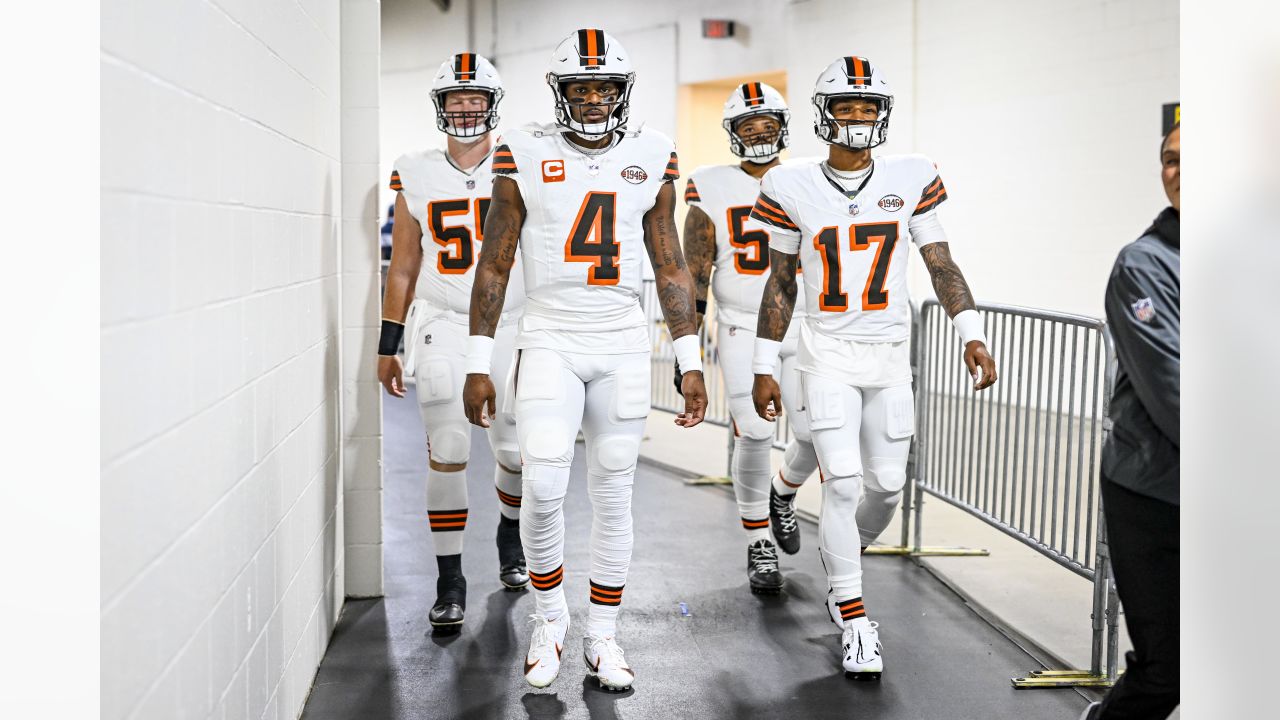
(847,218)
(582,199)
(719,234)
(441,200)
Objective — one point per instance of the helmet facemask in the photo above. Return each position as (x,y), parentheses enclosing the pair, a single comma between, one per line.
(758,147)
(466,126)
(615,113)
(852,134)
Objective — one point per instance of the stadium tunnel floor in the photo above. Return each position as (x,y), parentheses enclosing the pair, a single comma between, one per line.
(734,655)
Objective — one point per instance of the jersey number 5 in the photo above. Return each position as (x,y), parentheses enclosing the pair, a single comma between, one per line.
(593,239)
(874,296)
(756,243)
(456,255)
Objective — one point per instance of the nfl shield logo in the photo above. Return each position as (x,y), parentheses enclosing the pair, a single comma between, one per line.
(854,209)
(471,184)
(1144,310)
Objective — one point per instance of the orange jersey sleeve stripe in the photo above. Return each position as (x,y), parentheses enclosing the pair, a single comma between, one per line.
(760,213)
(928,205)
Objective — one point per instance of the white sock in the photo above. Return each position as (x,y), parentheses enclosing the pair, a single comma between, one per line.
(447,509)
(542,534)
(612,539)
(751,485)
(509,492)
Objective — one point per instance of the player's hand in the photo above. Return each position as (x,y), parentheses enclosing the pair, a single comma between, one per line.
(695,399)
(478,395)
(982,367)
(391,374)
(679,378)
(767,397)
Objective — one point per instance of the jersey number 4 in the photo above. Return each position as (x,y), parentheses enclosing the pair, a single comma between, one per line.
(593,239)
(861,237)
(457,254)
(755,259)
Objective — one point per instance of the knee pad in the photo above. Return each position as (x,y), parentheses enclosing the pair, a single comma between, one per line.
(843,489)
(613,455)
(549,442)
(887,475)
(543,486)
(450,444)
(747,423)
(842,464)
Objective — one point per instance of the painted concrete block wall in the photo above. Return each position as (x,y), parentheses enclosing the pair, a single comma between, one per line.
(361,301)
(222,327)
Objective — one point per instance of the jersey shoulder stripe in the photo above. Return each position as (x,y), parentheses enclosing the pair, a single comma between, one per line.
(768,211)
(504,163)
(691,196)
(395,183)
(932,196)
(673,169)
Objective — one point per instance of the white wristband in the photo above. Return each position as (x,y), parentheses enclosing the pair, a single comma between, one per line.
(766,356)
(688,354)
(479,355)
(969,324)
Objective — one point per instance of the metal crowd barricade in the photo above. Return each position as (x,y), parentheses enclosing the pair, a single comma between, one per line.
(1022,456)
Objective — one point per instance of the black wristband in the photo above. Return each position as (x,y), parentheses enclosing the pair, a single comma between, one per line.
(389,340)
(700,306)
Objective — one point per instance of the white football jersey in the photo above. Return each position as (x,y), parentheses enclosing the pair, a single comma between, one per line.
(726,193)
(450,205)
(582,242)
(854,251)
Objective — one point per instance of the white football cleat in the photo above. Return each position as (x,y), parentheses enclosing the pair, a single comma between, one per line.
(606,663)
(862,660)
(542,664)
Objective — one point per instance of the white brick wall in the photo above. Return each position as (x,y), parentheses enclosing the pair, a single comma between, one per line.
(223,406)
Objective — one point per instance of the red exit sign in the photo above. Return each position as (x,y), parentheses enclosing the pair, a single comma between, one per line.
(717,28)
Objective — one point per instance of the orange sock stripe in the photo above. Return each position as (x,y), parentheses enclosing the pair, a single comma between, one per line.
(449,526)
(783,478)
(605,594)
(755,524)
(547,581)
(509,500)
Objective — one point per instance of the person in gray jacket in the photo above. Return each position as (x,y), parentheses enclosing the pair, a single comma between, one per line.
(1140,461)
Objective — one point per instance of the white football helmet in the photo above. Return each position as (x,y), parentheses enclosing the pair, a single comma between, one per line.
(466,71)
(851,77)
(591,55)
(747,100)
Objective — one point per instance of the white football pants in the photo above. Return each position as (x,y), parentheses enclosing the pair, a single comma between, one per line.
(436,359)
(862,437)
(753,435)
(608,397)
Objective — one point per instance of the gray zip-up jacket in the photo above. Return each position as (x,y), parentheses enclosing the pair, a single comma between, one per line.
(1142,453)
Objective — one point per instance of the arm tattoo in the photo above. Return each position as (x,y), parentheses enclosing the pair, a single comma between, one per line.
(497,255)
(948,282)
(675,286)
(779,299)
(699,249)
